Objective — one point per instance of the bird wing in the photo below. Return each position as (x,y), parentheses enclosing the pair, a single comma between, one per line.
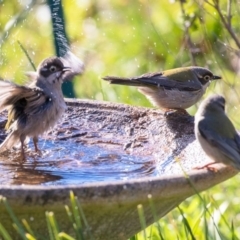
(37,101)
(237,140)
(12,94)
(154,80)
(229,147)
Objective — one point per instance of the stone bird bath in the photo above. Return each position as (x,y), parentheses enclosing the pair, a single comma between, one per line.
(112,156)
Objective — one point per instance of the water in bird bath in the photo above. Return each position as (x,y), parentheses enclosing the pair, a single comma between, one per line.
(102,143)
(66,162)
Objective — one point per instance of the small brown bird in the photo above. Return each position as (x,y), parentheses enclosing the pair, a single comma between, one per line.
(36,108)
(177,88)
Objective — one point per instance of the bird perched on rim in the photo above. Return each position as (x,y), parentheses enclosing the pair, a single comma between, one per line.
(178,88)
(34,109)
(216,133)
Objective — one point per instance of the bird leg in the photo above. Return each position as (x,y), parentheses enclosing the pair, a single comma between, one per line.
(207,166)
(23,156)
(35,141)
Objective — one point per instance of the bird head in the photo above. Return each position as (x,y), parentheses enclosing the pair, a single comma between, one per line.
(53,70)
(204,75)
(215,120)
(214,104)
(194,74)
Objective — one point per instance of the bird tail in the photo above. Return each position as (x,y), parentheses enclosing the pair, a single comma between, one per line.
(9,142)
(123,81)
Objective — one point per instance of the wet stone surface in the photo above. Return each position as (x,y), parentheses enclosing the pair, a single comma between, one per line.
(100,141)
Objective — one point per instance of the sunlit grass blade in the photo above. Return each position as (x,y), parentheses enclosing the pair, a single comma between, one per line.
(17,225)
(27,55)
(82,215)
(78,233)
(69,213)
(156,220)
(71,218)
(187,226)
(75,212)
(19,231)
(206,231)
(77,218)
(64,236)
(30,237)
(142,220)
(27,227)
(50,230)
(53,225)
(202,200)
(198,220)
(206,209)
(222,215)
(4,233)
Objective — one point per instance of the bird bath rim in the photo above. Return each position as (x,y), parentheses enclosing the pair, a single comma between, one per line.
(199,177)
(110,207)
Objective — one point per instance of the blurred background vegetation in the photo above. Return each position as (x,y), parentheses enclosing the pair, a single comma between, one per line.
(125,38)
(128,38)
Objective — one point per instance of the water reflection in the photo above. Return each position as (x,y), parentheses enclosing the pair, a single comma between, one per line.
(94,144)
(69,162)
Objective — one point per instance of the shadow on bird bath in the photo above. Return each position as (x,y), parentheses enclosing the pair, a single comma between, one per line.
(112,156)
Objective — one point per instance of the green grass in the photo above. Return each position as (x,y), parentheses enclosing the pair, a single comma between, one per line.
(213,214)
(24,231)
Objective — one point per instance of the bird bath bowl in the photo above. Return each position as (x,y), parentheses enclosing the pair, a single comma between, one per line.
(112,156)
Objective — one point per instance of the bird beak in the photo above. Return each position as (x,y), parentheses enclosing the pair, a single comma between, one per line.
(67,69)
(67,74)
(216,78)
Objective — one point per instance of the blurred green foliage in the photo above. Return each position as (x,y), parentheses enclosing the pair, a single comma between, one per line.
(220,221)
(125,38)
(129,38)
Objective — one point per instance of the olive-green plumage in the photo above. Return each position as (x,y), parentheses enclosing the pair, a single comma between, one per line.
(178,88)
(216,133)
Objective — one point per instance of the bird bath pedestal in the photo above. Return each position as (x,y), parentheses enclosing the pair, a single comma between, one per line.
(112,156)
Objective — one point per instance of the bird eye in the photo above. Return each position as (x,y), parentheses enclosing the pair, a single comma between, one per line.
(53,68)
(207,78)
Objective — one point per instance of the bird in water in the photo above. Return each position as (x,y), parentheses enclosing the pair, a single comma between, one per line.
(34,109)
